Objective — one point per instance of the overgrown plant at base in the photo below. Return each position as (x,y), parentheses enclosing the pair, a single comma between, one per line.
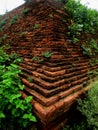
(89,111)
(89,107)
(14,111)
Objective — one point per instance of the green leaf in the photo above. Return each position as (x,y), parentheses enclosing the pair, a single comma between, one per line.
(21,87)
(30,117)
(19,104)
(1,90)
(28,99)
(14,96)
(2,115)
(33,118)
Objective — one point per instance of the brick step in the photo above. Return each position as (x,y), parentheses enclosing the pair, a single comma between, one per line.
(48,78)
(67,62)
(27,66)
(82,68)
(46,93)
(62,63)
(35,66)
(48,85)
(22,45)
(53,55)
(54,73)
(70,49)
(30,61)
(50,64)
(48,114)
(53,99)
(55,68)
(76,65)
(45,72)
(24,70)
(52,76)
(61,72)
(45,83)
(81,63)
(30,49)
(55,50)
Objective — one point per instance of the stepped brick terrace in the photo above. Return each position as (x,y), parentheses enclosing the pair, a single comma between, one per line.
(55,72)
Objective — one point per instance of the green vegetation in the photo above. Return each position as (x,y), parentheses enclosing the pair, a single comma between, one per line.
(2,39)
(90,48)
(22,34)
(14,111)
(81,126)
(2,24)
(92,72)
(36,26)
(30,79)
(14,19)
(44,55)
(85,17)
(26,11)
(47,54)
(75,29)
(93,62)
(89,109)
(82,21)
(39,59)
(51,15)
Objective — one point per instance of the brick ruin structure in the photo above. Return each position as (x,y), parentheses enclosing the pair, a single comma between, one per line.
(54,69)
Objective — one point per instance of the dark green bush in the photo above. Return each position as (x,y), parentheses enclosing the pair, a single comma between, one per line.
(82,14)
(81,126)
(83,20)
(89,107)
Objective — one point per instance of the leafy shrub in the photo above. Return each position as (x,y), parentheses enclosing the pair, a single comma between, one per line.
(89,107)
(4,58)
(90,48)
(93,62)
(82,20)
(14,111)
(81,126)
(82,14)
(75,29)
(75,40)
